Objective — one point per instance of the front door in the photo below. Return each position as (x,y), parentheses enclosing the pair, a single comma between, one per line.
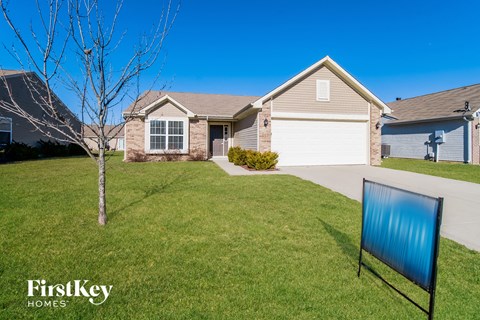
(218,140)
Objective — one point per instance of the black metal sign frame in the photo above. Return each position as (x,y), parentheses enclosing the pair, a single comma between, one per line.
(433,281)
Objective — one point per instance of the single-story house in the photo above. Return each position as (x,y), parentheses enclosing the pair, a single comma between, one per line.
(321,116)
(115,135)
(440,126)
(14,128)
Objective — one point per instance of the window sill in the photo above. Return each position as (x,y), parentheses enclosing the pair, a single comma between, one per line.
(160,152)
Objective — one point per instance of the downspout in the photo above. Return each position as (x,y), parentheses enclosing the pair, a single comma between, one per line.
(207,142)
(468,158)
(437,152)
(369,134)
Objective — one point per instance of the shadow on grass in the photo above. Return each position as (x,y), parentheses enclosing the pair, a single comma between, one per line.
(352,251)
(150,191)
(344,242)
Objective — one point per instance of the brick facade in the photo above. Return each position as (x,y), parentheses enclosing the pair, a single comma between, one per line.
(265,133)
(135,142)
(475,142)
(198,138)
(134,138)
(375,136)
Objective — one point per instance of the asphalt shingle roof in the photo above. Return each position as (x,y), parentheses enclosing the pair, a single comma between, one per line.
(199,103)
(444,104)
(5,72)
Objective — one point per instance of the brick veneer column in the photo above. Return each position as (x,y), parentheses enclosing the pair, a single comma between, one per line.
(134,137)
(475,142)
(198,137)
(375,136)
(265,133)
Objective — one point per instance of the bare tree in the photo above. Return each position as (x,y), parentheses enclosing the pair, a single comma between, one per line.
(79,29)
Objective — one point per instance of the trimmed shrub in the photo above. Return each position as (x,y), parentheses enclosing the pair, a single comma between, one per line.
(261,161)
(240,157)
(47,149)
(75,150)
(18,151)
(137,156)
(173,155)
(197,155)
(231,153)
(253,159)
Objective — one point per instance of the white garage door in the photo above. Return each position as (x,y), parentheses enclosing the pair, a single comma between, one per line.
(309,142)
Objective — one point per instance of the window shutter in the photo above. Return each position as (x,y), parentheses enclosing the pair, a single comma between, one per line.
(323,90)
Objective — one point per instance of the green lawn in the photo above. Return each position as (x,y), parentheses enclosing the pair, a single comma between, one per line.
(186,241)
(450,170)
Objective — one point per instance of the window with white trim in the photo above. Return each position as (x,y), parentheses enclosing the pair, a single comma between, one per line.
(158,135)
(5,131)
(323,90)
(167,135)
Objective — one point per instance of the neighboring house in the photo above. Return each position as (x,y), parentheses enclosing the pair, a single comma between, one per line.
(114,134)
(322,116)
(440,126)
(14,128)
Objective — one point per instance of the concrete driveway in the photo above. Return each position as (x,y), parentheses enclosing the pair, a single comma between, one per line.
(461,211)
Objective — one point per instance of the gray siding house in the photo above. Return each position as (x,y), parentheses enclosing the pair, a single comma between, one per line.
(442,126)
(14,128)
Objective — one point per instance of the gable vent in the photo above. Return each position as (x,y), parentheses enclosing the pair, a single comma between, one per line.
(323,90)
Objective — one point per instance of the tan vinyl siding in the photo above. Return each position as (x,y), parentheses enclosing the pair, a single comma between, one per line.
(93,145)
(245,132)
(167,110)
(301,97)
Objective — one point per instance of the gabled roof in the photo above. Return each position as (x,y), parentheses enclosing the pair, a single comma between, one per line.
(15,79)
(6,72)
(332,65)
(199,104)
(164,98)
(435,106)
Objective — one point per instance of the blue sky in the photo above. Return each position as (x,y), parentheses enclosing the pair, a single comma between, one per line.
(395,48)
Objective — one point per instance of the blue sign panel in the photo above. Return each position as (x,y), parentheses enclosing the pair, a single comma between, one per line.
(400,229)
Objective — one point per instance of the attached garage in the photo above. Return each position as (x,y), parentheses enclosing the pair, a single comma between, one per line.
(315,142)
(321,116)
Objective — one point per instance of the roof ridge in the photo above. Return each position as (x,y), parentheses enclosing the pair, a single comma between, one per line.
(212,94)
(432,93)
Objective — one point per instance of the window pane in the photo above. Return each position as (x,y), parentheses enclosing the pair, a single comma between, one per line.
(157,127)
(4,138)
(5,124)
(175,127)
(175,142)
(157,142)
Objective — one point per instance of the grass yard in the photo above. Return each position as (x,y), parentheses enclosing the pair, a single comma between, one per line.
(187,241)
(450,170)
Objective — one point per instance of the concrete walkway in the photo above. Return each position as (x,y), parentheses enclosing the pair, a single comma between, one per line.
(461,211)
(234,170)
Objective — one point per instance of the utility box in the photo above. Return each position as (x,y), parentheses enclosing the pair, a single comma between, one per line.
(439,136)
(385,150)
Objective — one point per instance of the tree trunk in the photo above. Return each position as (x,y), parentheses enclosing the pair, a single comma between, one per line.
(102,203)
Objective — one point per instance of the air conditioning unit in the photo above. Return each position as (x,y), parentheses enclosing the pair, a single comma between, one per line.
(385,150)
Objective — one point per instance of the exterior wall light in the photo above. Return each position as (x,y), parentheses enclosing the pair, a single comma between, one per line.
(265,122)
(378,125)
